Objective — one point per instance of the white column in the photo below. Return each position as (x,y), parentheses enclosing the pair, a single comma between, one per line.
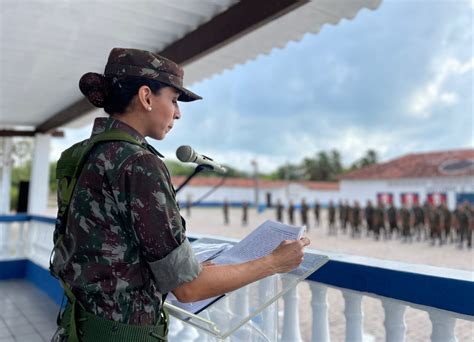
(39,182)
(442,326)
(394,323)
(319,305)
(6,168)
(354,316)
(291,321)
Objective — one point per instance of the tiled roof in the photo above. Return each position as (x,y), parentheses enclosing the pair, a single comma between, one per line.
(420,165)
(250,183)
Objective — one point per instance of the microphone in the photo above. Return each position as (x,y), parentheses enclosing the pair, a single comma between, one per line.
(186,154)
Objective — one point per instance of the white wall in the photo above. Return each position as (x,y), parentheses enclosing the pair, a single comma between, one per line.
(367,190)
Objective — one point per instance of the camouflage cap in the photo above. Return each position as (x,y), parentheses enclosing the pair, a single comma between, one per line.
(134,62)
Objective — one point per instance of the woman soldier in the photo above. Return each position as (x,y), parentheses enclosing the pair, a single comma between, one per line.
(120,242)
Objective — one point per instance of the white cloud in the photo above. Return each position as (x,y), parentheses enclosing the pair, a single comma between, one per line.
(432,93)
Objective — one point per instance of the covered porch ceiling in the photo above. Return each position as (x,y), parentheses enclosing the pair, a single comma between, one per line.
(46,45)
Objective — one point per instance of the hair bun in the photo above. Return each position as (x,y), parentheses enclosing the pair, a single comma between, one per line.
(95,87)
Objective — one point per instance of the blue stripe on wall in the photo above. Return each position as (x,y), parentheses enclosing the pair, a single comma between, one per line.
(12,269)
(43,280)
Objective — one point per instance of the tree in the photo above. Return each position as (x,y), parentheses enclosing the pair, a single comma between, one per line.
(369,158)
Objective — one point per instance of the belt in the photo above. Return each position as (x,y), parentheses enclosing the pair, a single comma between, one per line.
(91,328)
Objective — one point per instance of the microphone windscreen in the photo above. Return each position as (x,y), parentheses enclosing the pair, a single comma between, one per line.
(185,153)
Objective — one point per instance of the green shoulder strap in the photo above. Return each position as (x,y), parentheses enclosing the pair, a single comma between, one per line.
(72,161)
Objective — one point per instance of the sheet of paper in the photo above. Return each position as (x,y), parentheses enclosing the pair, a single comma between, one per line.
(260,242)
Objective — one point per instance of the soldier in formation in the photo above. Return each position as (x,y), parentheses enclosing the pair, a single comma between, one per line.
(304,214)
(332,219)
(317,210)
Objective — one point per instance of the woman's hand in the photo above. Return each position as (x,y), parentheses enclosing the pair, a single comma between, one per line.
(288,255)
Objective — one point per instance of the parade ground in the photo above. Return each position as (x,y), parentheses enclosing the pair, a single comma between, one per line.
(210,221)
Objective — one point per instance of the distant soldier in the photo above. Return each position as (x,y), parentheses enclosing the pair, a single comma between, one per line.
(418,221)
(356,219)
(332,219)
(245,216)
(304,214)
(279,211)
(404,215)
(427,213)
(435,225)
(188,205)
(379,220)
(347,215)
(392,220)
(446,223)
(464,222)
(341,208)
(291,212)
(317,209)
(369,217)
(225,209)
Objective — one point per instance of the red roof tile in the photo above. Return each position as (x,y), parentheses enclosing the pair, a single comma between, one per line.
(249,183)
(418,165)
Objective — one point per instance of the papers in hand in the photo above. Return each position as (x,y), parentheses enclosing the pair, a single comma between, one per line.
(259,243)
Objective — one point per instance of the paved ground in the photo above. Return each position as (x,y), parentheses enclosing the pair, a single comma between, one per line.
(26,313)
(211,221)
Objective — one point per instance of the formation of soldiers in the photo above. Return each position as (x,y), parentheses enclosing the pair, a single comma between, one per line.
(428,222)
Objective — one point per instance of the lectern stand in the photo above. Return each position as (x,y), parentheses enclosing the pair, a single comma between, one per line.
(249,313)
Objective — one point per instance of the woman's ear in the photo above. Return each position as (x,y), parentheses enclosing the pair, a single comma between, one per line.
(144,97)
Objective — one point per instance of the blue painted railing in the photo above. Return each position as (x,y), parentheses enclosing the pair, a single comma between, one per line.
(442,288)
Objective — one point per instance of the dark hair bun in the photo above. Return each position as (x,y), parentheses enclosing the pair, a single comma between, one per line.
(95,87)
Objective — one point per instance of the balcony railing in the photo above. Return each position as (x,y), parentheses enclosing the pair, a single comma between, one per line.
(446,295)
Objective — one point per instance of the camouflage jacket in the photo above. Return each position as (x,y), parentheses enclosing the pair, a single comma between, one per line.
(125,241)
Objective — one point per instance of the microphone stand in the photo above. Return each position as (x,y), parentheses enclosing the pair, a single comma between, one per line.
(198,169)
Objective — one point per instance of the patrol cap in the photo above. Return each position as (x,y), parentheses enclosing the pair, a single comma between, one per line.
(141,63)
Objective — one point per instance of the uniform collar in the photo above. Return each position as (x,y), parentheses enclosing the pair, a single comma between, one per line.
(106,124)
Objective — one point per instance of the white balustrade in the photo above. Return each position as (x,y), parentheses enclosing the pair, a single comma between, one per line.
(394,322)
(291,322)
(4,240)
(442,326)
(354,316)
(320,308)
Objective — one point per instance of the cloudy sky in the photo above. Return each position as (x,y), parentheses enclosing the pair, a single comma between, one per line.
(397,80)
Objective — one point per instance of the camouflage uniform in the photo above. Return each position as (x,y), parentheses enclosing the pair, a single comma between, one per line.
(304,214)
(317,209)
(419,218)
(291,213)
(369,217)
(392,219)
(125,242)
(332,219)
(405,223)
(279,211)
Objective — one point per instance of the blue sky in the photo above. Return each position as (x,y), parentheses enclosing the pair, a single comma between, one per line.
(397,80)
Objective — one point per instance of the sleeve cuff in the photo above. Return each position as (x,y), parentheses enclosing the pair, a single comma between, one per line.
(178,267)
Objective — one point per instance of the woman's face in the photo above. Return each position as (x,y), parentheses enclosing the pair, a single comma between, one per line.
(164,110)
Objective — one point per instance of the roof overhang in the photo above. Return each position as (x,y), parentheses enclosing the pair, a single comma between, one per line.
(54,44)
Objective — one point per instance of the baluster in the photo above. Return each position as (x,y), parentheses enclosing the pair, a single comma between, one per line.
(319,305)
(394,323)
(20,243)
(175,326)
(442,326)
(268,287)
(291,321)
(4,240)
(354,316)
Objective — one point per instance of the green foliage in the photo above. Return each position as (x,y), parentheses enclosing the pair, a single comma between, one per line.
(369,158)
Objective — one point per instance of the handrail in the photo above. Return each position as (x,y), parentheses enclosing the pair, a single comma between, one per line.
(441,288)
